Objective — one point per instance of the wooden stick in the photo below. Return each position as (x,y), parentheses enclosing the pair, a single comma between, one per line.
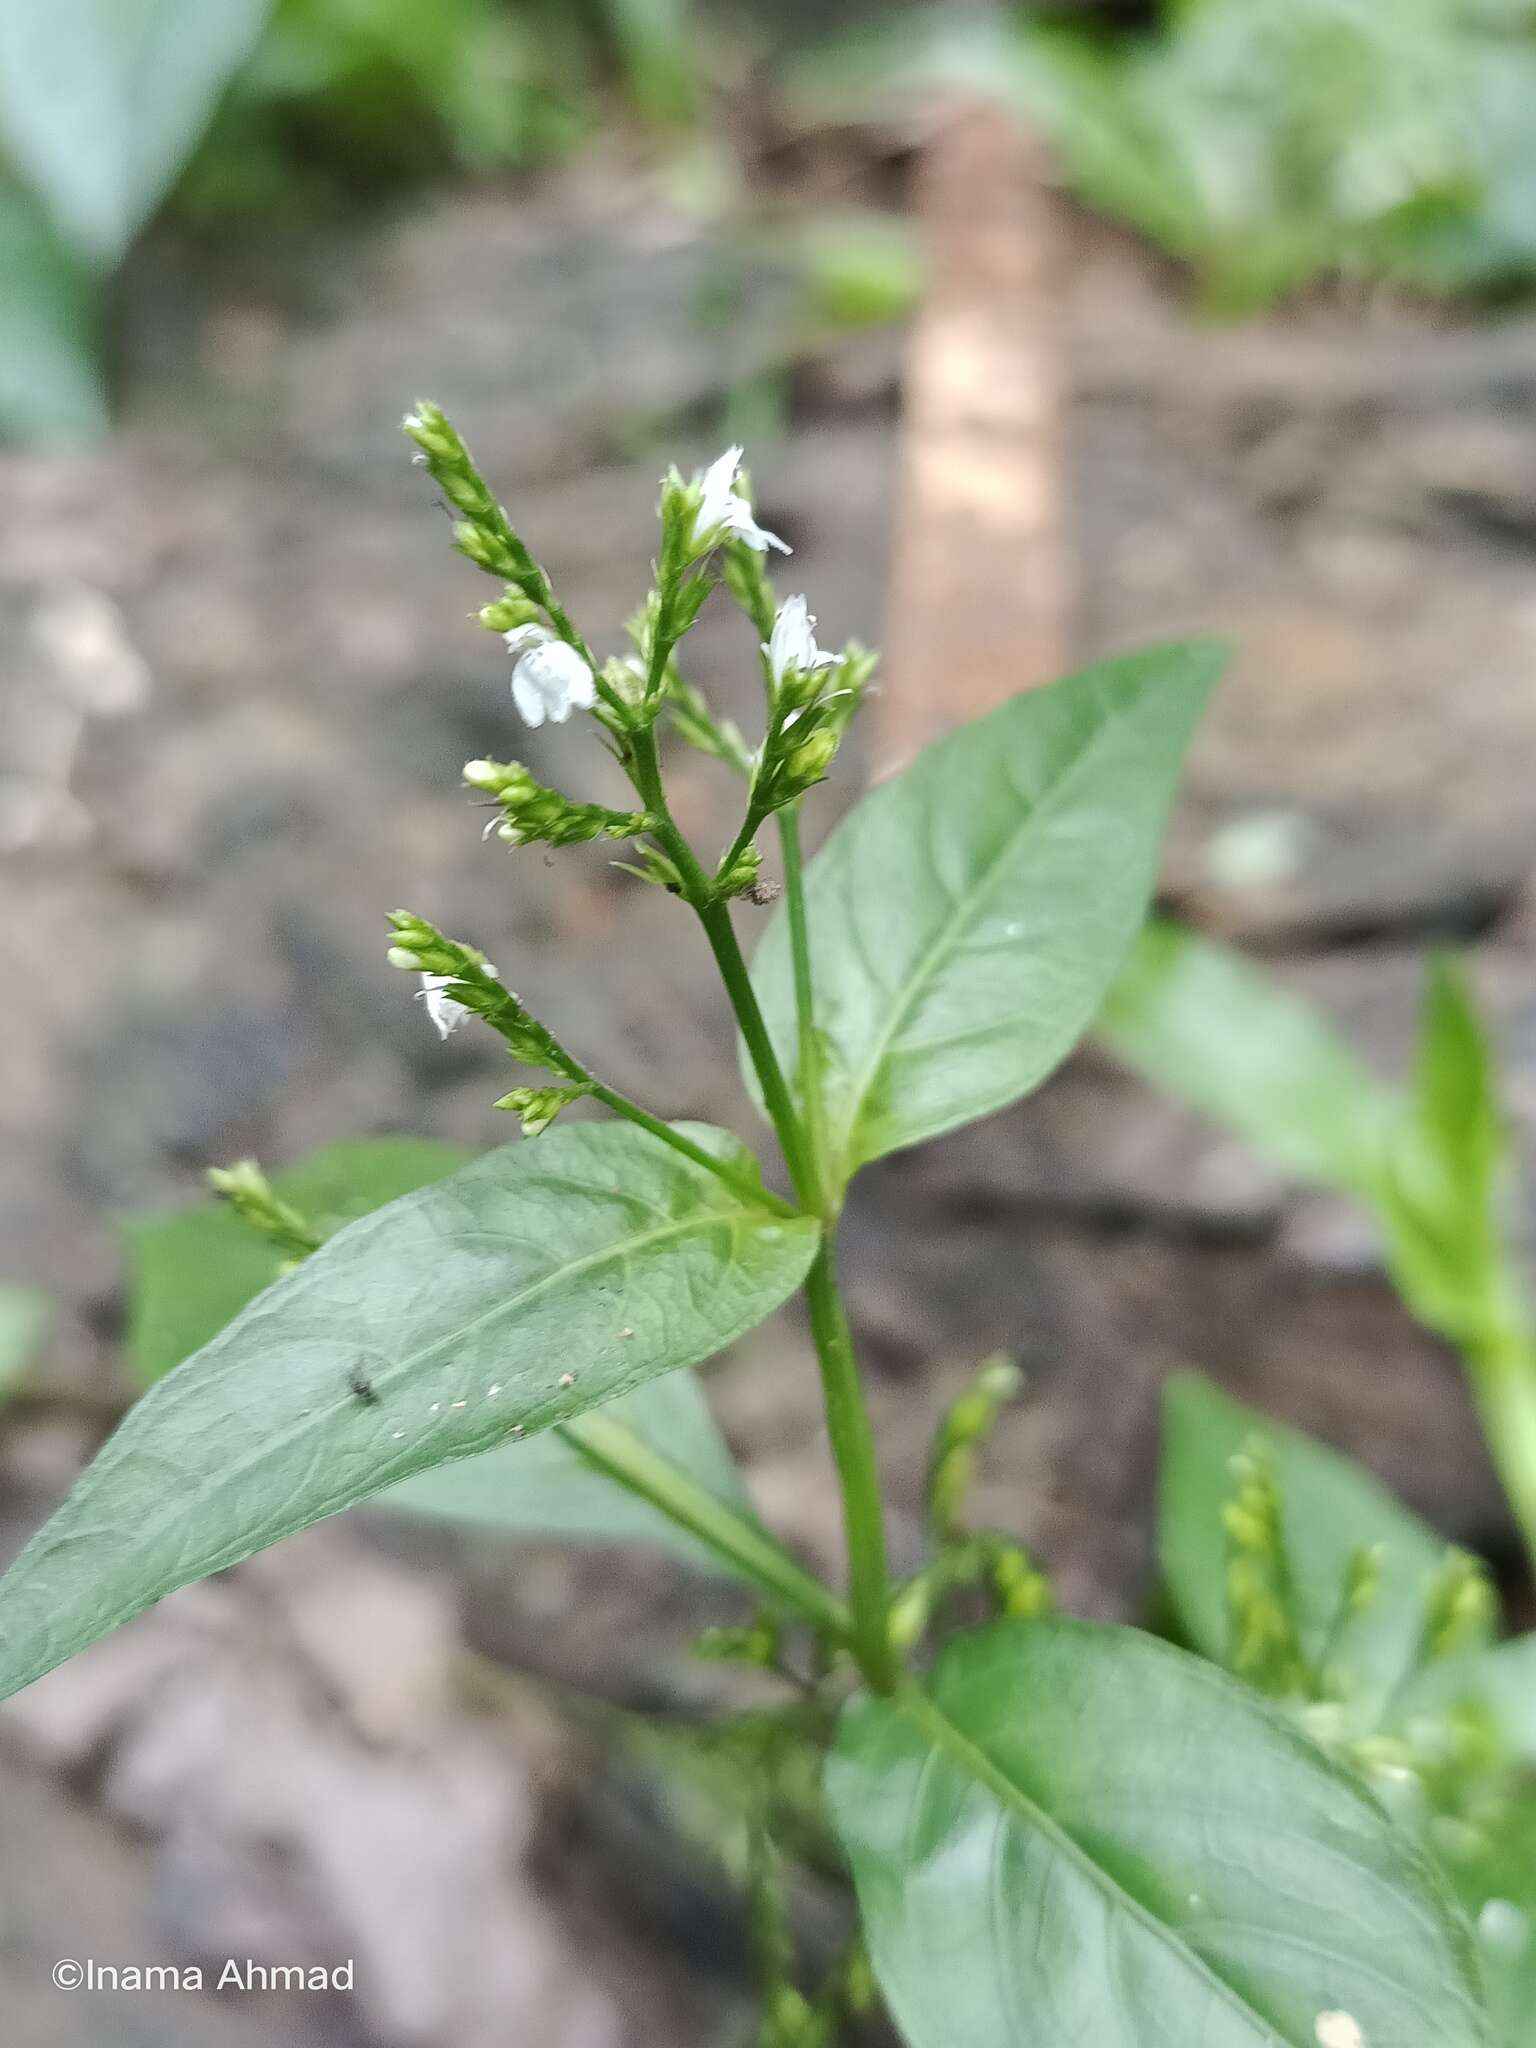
(981,589)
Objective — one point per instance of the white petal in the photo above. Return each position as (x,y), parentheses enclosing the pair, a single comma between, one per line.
(561,678)
(718,495)
(526,695)
(584,689)
(521,638)
(445,1013)
(792,643)
(741,523)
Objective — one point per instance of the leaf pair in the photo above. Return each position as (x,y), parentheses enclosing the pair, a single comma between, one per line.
(1005,874)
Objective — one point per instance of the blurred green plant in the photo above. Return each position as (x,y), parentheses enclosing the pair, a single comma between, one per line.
(245,107)
(1396,1669)
(1267,143)
(1430,1161)
(25,1315)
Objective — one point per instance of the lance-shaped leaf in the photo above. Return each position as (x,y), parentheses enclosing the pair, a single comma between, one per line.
(1079,1834)
(968,915)
(195,1269)
(537,1283)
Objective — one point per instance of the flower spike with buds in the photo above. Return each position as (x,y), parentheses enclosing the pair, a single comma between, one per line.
(484,534)
(549,678)
(532,813)
(251,1195)
(723,513)
(457,979)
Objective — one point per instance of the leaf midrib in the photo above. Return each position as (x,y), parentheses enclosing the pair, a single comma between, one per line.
(943,1733)
(934,956)
(589,1261)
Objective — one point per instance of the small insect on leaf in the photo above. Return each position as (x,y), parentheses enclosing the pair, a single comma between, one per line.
(362,1386)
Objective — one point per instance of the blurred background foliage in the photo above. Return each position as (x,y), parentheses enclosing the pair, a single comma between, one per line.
(1266,145)
(229,110)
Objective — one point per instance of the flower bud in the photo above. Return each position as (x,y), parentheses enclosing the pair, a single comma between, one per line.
(809,762)
(507,613)
(538,1107)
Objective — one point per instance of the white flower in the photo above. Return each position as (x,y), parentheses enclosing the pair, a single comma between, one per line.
(723,505)
(791,647)
(445,1013)
(549,678)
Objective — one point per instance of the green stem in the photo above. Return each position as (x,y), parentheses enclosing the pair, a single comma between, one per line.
(812,1105)
(777,1100)
(1502,1371)
(853,1449)
(721,933)
(848,1424)
(614,1449)
(748,1186)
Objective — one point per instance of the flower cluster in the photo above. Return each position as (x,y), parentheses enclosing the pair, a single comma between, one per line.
(710,537)
(1266,1648)
(532,814)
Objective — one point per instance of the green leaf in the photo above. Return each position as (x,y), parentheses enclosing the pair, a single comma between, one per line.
(102,101)
(1441,1208)
(1200,1022)
(545,1488)
(24,1318)
(195,1269)
(50,370)
(1456,1084)
(1078,1834)
(1331,1511)
(539,1282)
(967,916)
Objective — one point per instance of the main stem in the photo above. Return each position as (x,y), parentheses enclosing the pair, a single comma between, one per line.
(853,1449)
(848,1425)
(812,1105)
